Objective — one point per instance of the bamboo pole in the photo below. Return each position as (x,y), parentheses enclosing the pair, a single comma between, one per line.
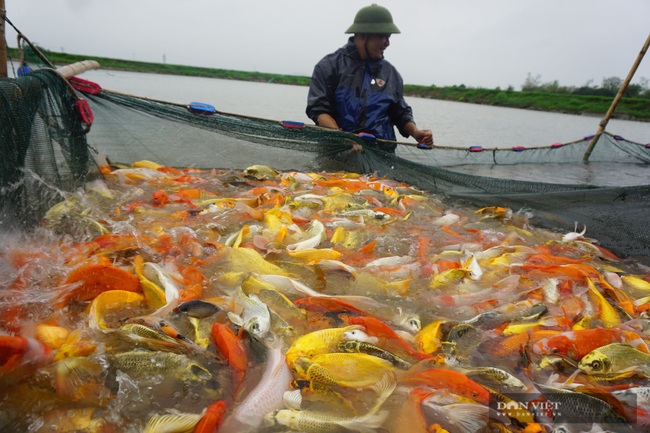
(619,95)
(3,41)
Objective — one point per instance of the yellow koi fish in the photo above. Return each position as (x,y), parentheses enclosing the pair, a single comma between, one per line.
(428,339)
(608,314)
(111,302)
(311,421)
(316,343)
(153,293)
(614,358)
(353,370)
(173,423)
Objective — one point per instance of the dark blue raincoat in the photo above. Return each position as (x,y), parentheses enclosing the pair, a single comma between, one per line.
(362,96)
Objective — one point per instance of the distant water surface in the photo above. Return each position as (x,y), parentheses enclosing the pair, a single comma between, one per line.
(453,123)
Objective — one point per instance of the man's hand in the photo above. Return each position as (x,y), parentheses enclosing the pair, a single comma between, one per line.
(356,147)
(327,121)
(424,136)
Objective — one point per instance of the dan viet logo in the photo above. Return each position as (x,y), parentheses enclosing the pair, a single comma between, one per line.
(566,406)
(519,409)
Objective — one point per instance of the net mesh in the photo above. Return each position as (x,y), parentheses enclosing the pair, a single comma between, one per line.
(45,152)
(43,147)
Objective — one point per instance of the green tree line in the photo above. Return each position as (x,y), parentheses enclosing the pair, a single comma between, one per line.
(609,87)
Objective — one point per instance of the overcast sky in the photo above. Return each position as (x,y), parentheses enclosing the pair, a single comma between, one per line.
(478,43)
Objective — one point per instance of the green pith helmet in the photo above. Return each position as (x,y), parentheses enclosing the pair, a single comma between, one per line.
(373,19)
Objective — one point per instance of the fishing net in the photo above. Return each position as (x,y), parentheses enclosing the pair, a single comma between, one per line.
(43,147)
(45,151)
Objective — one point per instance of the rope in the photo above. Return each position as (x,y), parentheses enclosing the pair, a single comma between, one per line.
(36,50)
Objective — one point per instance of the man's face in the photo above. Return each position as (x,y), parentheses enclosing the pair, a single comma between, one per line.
(376,43)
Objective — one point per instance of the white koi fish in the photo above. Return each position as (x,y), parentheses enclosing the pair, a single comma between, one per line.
(346,223)
(155,272)
(267,396)
(313,237)
(391,261)
(575,234)
(255,316)
(447,219)
(472,265)
(286,284)
(336,265)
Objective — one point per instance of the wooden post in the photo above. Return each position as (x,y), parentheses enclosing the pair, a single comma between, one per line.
(3,41)
(619,95)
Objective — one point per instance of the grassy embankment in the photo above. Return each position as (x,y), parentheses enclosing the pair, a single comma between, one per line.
(628,108)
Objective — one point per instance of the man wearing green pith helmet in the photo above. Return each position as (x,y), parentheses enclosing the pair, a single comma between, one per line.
(355,89)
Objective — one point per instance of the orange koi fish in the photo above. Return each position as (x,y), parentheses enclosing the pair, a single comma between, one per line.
(514,344)
(159,198)
(24,263)
(191,245)
(451,380)
(326,304)
(423,250)
(20,357)
(576,271)
(643,308)
(195,193)
(189,179)
(389,211)
(362,256)
(13,317)
(540,260)
(194,288)
(233,348)
(112,242)
(91,280)
(348,185)
(212,418)
(169,170)
(576,344)
(327,312)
